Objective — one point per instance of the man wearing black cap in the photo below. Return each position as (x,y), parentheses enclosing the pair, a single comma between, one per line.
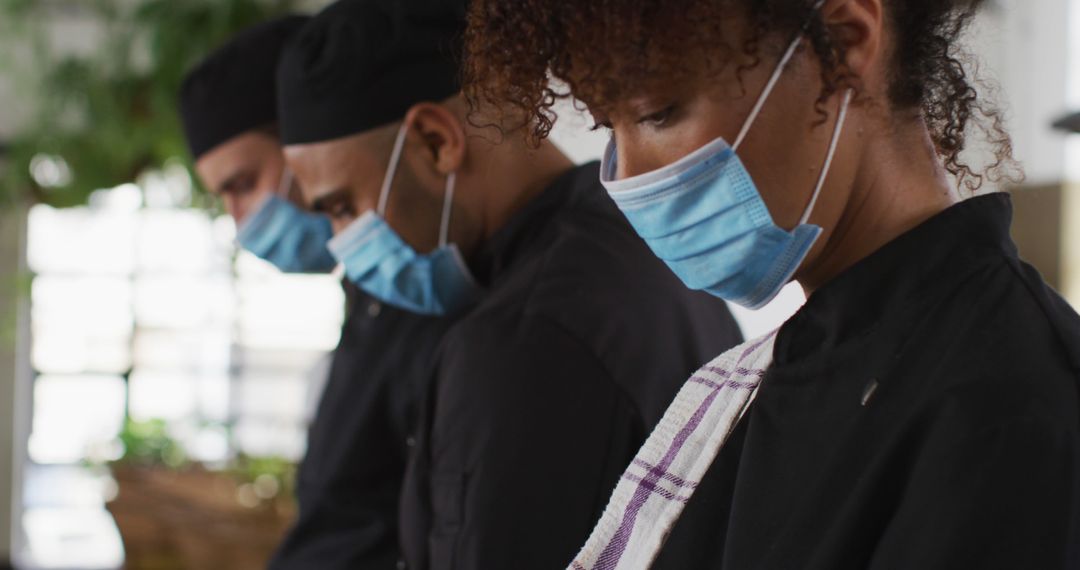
(228,107)
(550,380)
(351,476)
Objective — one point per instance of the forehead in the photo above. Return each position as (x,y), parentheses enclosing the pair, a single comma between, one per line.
(720,88)
(352,154)
(253,150)
(327,166)
(721,75)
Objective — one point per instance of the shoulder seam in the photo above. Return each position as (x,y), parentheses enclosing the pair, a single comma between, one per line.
(1014,265)
(592,355)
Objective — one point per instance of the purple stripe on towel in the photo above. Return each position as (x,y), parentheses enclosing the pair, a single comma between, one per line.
(611,555)
(726,373)
(726,383)
(656,488)
(679,481)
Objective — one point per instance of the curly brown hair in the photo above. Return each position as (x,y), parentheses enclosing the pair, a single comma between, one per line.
(597,49)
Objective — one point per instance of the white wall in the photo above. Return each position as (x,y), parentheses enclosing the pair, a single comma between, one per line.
(572,134)
(1024,47)
(1072,144)
(1032,48)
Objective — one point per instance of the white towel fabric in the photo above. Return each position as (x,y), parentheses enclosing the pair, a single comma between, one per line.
(654,489)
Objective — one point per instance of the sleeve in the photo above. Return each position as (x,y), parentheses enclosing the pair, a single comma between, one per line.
(529,437)
(341,534)
(1005,497)
(350,479)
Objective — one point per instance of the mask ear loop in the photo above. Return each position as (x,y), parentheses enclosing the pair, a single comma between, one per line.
(395,158)
(765,94)
(777,73)
(286,182)
(837,130)
(448,203)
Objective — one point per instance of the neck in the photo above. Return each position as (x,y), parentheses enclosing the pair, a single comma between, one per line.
(898,184)
(511,175)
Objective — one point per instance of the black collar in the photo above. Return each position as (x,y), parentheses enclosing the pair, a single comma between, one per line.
(908,273)
(507,245)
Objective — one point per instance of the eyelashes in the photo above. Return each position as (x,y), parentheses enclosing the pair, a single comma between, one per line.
(655,120)
(659,118)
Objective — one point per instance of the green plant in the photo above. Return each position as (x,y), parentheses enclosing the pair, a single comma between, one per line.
(267,478)
(107,115)
(148,444)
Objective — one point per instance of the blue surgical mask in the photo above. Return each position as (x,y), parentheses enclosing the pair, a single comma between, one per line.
(704,217)
(291,239)
(378,261)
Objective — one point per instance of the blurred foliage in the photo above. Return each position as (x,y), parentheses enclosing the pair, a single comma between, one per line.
(249,468)
(270,477)
(148,444)
(110,113)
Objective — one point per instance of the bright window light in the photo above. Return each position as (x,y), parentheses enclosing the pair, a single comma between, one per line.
(75,417)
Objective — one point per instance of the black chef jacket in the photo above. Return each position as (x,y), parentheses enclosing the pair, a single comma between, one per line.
(922,413)
(547,389)
(349,482)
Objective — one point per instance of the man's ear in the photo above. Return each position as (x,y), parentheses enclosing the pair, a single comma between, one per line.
(858,28)
(442,134)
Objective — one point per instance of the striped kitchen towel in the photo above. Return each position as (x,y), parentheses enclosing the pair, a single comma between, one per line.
(659,482)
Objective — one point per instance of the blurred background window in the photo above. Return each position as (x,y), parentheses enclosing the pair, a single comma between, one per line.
(140,312)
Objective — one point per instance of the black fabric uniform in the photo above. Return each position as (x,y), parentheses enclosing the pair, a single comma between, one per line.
(966,453)
(546,390)
(350,480)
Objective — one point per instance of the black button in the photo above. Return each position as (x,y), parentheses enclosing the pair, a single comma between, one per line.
(401,565)
(374,308)
(410,441)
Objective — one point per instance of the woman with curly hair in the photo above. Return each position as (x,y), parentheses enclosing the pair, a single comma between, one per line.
(922,409)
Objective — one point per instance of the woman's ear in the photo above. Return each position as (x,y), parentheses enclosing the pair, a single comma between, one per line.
(857,28)
(441,133)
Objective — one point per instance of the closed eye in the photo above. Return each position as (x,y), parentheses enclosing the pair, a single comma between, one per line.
(336,204)
(341,210)
(239,183)
(659,118)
